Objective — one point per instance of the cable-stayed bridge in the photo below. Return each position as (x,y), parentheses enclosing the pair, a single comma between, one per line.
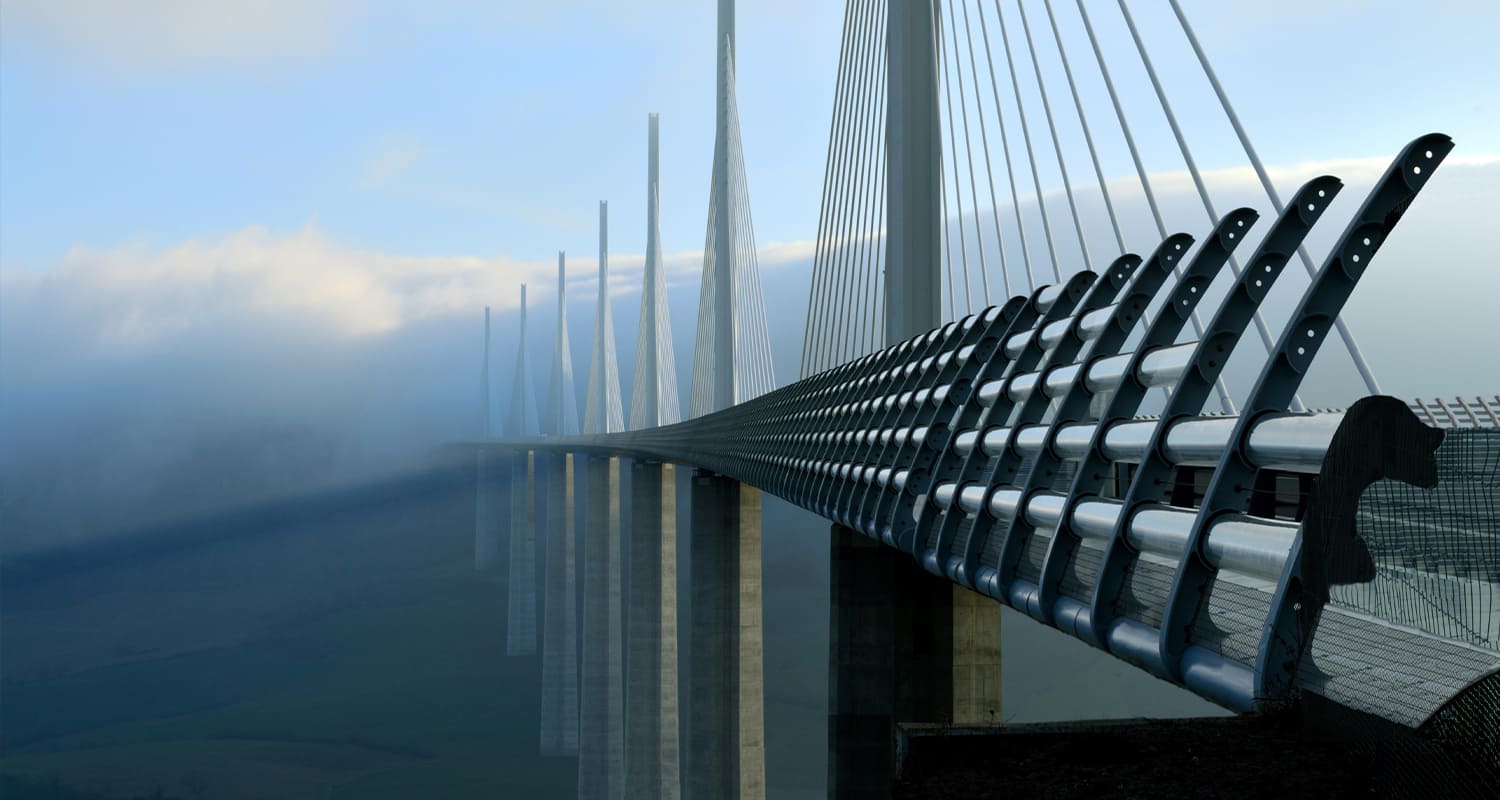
(1000,402)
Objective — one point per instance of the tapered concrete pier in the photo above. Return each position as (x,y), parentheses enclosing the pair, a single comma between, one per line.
(904,646)
(601,744)
(559,734)
(486,473)
(520,628)
(651,753)
(726,752)
(559,719)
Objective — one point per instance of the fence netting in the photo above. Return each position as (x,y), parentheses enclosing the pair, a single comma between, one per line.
(1437,550)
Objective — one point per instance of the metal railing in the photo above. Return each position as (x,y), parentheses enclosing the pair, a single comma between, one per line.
(988,450)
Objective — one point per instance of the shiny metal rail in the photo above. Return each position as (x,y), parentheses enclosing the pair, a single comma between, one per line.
(980,449)
(1460,412)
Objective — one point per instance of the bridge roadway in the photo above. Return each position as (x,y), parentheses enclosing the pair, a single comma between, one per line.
(1003,452)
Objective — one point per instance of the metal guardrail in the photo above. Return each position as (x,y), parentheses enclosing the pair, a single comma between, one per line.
(1459,412)
(988,450)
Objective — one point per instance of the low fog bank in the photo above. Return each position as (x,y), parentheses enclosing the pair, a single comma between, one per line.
(140,388)
(100,439)
(210,425)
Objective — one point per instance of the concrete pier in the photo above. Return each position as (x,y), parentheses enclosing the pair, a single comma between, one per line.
(651,743)
(601,744)
(975,658)
(904,647)
(520,628)
(559,734)
(726,695)
(487,473)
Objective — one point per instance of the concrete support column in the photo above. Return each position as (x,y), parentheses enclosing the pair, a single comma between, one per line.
(559,735)
(861,666)
(601,745)
(486,510)
(651,749)
(904,646)
(976,656)
(520,627)
(726,695)
(914,153)
(725,347)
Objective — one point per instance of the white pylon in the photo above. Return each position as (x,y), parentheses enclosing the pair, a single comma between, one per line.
(602,412)
(562,394)
(653,397)
(732,357)
(522,420)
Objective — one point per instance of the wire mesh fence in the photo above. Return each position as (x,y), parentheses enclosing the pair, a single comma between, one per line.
(1437,550)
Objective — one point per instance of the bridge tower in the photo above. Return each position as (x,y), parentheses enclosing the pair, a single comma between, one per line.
(559,717)
(731,364)
(520,627)
(905,646)
(486,527)
(601,749)
(651,746)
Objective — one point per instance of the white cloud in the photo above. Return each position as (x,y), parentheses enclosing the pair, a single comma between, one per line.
(1352,171)
(136,299)
(390,158)
(133,297)
(165,34)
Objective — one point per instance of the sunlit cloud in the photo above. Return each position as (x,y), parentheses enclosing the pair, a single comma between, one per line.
(390,158)
(134,296)
(159,35)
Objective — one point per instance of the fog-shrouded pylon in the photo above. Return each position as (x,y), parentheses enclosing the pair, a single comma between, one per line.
(602,412)
(560,686)
(601,757)
(653,397)
(486,526)
(520,626)
(522,420)
(486,415)
(724,740)
(561,418)
(652,757)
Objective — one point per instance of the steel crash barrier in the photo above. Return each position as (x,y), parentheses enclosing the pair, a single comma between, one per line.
(1004,451)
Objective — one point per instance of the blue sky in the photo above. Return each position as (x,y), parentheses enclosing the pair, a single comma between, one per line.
(443,129)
